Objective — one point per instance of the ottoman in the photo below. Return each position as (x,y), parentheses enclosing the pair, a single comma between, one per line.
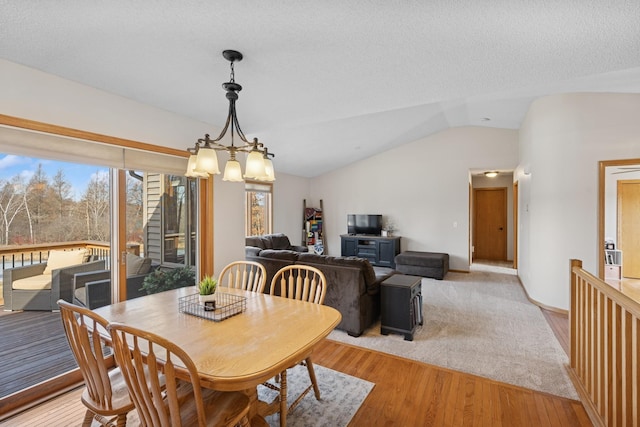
(425,264)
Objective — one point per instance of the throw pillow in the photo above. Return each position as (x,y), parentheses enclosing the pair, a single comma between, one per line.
(60,259)
(255,241)
(280,241)
(137,265)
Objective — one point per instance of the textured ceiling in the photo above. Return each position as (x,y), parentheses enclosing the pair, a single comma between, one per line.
(328,77)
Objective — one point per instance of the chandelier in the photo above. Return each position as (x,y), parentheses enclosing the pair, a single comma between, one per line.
(203,160)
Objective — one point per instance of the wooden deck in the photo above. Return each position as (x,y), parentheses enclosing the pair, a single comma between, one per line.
(33,348)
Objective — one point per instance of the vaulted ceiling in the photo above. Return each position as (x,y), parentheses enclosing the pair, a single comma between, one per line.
(327,83)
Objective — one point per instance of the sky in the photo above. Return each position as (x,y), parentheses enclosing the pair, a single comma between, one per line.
(78,175)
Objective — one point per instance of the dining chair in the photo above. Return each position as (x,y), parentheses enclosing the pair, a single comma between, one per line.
(153,366)
(106,395)
(246,275)
(304,283)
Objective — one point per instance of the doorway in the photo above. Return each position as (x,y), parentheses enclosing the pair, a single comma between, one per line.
(628,229)
(490,224)
(618,207)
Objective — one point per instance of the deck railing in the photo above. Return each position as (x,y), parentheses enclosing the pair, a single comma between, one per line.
(20,255)
(605,348)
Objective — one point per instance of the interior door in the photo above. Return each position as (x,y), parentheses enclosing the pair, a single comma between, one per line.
(490,224)
(629,227)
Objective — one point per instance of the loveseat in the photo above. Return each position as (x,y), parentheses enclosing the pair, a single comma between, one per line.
(353,284)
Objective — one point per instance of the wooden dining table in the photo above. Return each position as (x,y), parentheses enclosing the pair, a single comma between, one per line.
(240,352)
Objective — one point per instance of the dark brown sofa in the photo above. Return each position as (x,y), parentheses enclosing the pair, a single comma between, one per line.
(278,241)
(353,284)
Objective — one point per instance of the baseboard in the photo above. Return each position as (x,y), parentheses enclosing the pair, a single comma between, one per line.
(539,304)
(459,271)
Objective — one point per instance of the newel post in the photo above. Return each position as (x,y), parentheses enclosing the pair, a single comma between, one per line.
(573,315)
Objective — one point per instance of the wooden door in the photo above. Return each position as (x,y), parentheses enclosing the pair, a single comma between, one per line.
(490,224)
(629,226)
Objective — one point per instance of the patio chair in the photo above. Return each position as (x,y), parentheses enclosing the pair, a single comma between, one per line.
(150,365)
(40,286)
(305,283)
(105,395)
(93,289)
(246,275)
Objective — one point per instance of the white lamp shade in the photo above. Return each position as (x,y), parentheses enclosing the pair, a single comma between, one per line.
(191,165)
(191,169)
(255,166)
(207,161)
(268,167)
(232,171)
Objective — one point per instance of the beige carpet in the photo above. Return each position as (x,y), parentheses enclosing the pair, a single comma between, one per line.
(480,323)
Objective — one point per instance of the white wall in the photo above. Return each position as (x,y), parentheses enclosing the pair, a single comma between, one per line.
(422,187)
(31,94)
(562,139)
(289,192)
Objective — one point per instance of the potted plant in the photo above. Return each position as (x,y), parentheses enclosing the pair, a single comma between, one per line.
(387,229)
(207,289)
(163,279)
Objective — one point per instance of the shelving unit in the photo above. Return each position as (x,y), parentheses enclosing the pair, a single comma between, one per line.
(380,251)
(612,264)
(312,233)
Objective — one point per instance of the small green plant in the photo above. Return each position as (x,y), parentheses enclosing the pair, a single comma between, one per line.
(165,279)
(207,286)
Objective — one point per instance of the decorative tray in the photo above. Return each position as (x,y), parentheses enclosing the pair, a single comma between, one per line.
(226,305)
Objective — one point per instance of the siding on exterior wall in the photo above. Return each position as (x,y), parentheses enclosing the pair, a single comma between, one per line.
(153,189)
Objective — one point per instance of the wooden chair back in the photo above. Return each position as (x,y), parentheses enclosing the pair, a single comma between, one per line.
(246,275)
(83,330)
(301,282)
(165,386)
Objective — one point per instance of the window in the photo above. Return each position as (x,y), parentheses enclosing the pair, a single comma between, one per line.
(258,214)
(178,220)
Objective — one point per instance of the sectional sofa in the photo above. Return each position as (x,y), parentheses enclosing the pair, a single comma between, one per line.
(353,284)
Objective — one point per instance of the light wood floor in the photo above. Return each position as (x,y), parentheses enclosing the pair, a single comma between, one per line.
(406,393)
(629,287)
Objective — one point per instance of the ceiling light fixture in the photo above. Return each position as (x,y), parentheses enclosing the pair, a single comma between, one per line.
(491,174)
(203,160)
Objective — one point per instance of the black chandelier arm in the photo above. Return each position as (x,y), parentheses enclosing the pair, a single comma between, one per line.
(237,125)
(229,121)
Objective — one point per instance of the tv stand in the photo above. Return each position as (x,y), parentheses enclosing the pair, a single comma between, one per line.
(380,251)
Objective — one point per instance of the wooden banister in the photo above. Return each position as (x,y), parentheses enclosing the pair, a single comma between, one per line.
(605,348)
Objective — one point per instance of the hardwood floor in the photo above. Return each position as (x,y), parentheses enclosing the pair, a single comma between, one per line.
(410,393)
(560,325)
(629,287)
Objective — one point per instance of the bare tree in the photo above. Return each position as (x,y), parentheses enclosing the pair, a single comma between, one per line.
(96,207)
(62,205)
(12,202)
(36,205)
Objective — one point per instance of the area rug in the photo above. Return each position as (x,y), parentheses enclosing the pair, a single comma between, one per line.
(480,323)
(341,396)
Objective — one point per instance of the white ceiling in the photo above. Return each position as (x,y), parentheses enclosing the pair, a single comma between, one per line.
(329,82)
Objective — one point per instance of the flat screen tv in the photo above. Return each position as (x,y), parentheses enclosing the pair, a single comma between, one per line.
(364,224)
